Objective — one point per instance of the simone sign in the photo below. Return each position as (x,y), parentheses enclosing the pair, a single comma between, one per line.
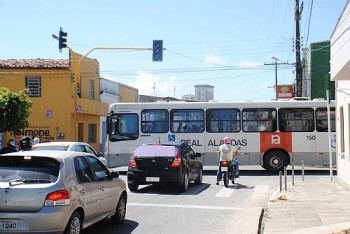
(43,132)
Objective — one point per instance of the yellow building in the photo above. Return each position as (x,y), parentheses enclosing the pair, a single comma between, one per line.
(65,108)
(128,93)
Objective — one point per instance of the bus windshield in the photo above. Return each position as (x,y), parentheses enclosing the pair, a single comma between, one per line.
(123,127)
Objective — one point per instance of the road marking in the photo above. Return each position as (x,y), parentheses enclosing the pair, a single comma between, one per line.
(225,192)
(185,206)
(260,191)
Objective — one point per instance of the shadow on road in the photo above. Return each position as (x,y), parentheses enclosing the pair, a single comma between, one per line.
(105,227)
(164,189)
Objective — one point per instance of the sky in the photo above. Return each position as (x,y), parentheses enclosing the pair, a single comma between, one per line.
(224,43)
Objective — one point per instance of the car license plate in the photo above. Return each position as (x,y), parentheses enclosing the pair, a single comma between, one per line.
(223,168)
(152,179)
(8,224)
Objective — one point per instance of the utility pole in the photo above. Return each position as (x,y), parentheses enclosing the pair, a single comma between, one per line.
(276,63)
(154,89)
(298,67)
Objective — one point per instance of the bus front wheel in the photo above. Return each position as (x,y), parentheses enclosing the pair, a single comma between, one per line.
(275,161)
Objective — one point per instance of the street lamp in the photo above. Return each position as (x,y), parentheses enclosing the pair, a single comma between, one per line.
(276,60)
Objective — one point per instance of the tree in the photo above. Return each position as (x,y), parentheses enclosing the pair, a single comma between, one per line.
(15,109)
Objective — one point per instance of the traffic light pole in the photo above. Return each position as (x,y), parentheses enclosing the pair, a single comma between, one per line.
(158,48)
(103,48)
(78,70)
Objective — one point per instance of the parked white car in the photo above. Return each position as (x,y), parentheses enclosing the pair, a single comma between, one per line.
(70,146)
(57,192)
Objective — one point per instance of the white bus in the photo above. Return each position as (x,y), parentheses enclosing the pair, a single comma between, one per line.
(272,134)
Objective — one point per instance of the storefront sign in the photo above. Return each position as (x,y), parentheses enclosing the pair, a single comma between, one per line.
(284,91)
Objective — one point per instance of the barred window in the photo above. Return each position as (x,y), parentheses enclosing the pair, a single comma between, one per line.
(92,89)
(92,133)
(33,84)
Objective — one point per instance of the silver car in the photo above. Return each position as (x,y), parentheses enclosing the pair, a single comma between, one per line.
(57,192)
(70,146)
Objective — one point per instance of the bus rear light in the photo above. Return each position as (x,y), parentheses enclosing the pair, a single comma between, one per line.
(177,160)
(132,162)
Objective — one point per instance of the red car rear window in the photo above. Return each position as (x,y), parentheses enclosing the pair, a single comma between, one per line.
(155,150)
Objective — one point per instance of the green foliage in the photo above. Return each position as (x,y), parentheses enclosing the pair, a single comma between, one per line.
(14,110)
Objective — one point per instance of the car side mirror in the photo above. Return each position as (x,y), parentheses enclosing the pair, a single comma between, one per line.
(100,154)
(198,155)
(114,174)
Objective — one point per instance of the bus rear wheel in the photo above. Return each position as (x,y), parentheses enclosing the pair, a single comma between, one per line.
(275,161)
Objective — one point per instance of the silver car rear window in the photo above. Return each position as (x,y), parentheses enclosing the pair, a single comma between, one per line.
(155,150)
(51,147)
(28,168)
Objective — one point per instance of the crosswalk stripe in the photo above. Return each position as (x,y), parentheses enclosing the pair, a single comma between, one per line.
(259,191)
(184,206)
(225,192)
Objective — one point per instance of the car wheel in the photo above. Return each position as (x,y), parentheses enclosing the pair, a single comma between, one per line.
(133,187)
(200,177)
(185,182)
(74,225)
(120,211)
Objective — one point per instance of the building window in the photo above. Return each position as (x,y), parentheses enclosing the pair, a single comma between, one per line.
(78,90)
(92,133)
(33,84)
(341,128)
(80,132)
(92,89)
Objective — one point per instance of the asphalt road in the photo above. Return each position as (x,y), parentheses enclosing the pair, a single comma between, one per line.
(205,208)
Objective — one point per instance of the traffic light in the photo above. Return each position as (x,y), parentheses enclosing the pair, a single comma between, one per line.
(157,50)
(62,39)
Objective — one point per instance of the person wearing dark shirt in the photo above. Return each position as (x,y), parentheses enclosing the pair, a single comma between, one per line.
(11,147)
(25,144)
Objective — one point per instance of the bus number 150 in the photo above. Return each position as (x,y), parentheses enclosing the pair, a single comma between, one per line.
(311,137)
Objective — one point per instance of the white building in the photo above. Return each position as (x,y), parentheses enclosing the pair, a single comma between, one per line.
(189,97)
(204,93)
(109,93)
(340,73)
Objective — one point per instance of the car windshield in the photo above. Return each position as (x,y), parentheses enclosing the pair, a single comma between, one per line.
(155,150)
(28,169)
(50,147)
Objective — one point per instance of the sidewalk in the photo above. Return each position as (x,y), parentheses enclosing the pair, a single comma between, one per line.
(317,205)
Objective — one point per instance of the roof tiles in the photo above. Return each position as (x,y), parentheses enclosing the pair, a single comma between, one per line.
(34,63)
